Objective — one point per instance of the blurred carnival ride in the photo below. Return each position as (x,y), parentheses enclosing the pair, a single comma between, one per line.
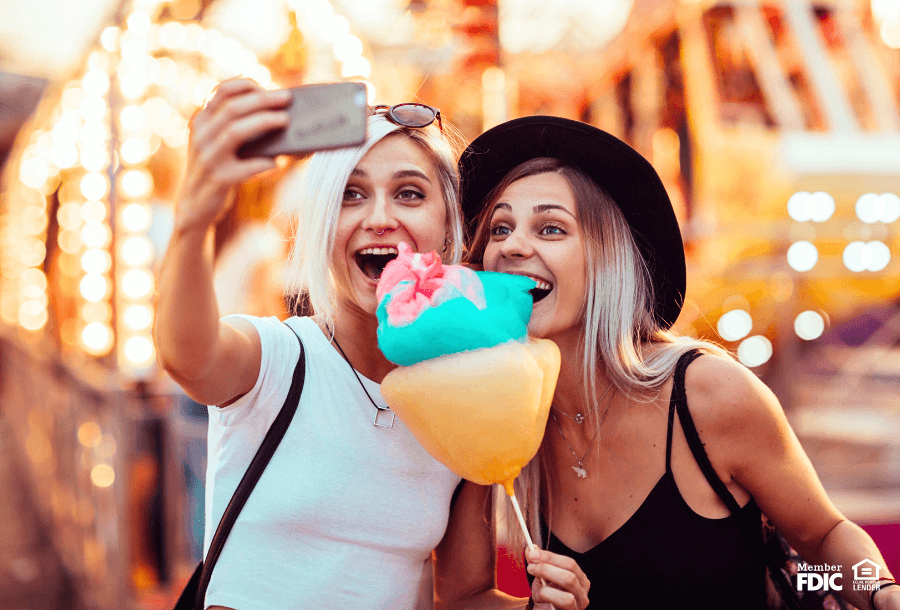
(774,125)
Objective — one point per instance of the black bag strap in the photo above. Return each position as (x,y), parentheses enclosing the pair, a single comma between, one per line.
(751,528)
(254,471)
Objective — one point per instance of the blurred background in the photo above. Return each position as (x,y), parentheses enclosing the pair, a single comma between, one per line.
(774,125)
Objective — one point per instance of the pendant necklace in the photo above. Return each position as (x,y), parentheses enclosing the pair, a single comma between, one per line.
(381,413)
(578,418)
(580,470)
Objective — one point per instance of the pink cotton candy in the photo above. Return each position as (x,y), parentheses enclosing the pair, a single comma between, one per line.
(427,283)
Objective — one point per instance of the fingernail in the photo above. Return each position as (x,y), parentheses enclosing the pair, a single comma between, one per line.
(283,95)
(533,555)
(530,568)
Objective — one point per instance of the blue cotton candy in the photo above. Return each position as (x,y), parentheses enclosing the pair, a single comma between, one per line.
(457,325)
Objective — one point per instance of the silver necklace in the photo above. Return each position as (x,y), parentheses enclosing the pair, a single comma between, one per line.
(579,418)
(580,470)
(379,409)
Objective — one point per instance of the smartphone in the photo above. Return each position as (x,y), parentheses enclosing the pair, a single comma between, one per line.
(321,117)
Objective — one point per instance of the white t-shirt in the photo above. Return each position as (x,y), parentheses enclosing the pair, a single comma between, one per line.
(345,514)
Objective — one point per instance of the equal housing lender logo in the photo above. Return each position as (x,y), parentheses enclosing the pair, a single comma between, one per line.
(825,577)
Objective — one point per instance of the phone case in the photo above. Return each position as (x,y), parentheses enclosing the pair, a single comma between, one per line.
(321,117)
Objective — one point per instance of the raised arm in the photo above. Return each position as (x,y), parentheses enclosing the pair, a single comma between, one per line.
(214,362)
(749,440)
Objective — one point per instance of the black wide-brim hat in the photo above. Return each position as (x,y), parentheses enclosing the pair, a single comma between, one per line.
(616,167)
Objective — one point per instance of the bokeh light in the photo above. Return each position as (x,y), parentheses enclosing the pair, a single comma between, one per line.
(857,256)
(93,108)
(134,150)
(103,475)
(34,173)
(866,256)
(754,351)
(869,208)
(139,350)
(880,256)
(93,211)
(93,287)
(136,217)
(89,434)
(734,325)
(890,33)
(136,183)
(137,317)
(93,185)
(809,325)
(137,283)
(890,204)
(132,118)
(97,337)
(96,260)
(136,250)
(802,256)
(95,235)
(821,206)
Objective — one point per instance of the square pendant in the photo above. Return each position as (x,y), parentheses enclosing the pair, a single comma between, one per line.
(384,418)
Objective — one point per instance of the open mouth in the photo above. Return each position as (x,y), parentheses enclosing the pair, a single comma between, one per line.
(541,290)
(371,261)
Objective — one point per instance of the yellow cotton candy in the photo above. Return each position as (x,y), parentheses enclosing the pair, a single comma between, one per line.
(481,413)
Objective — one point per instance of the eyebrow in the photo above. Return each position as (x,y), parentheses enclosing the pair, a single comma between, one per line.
(538,209)
(404,173)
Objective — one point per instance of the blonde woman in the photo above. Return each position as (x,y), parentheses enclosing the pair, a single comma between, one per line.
(642,517)
(350,506)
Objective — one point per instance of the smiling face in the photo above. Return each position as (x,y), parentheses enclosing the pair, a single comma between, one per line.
(394,194)
(534,231)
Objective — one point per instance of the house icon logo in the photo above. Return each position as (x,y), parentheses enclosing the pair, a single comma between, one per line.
(866,570)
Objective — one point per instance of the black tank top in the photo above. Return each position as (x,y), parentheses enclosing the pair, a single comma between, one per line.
(668,556)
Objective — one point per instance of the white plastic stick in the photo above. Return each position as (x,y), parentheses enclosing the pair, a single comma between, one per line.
(531,545)
(515,503)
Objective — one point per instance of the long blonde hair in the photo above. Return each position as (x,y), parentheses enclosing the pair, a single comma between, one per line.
(312,195)
(618,321)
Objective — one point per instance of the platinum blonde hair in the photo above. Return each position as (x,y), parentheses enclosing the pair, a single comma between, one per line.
(312,196)
(618,325)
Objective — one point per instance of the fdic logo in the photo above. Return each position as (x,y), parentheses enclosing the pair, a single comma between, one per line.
(817,577)
(826,577)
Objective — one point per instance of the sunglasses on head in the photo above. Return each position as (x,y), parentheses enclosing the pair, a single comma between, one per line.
(410,114)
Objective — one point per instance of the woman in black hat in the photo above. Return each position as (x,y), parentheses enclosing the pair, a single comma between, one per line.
(653,474)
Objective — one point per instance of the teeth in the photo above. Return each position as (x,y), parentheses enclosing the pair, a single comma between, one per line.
(378,251)
(541,284)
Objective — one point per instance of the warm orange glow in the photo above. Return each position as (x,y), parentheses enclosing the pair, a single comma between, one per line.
(89,434)
(103,475)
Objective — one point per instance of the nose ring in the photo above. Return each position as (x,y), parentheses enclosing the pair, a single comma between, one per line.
(381,232)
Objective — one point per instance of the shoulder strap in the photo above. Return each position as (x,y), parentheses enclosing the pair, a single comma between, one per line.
(254,471)
(751,529)
(679,398)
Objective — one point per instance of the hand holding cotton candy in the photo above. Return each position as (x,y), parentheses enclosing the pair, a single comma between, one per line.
(472,388)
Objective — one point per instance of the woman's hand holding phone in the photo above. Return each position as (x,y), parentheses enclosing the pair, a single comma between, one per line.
(241,110)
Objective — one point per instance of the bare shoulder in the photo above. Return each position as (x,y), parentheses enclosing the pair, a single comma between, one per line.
(726,397)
